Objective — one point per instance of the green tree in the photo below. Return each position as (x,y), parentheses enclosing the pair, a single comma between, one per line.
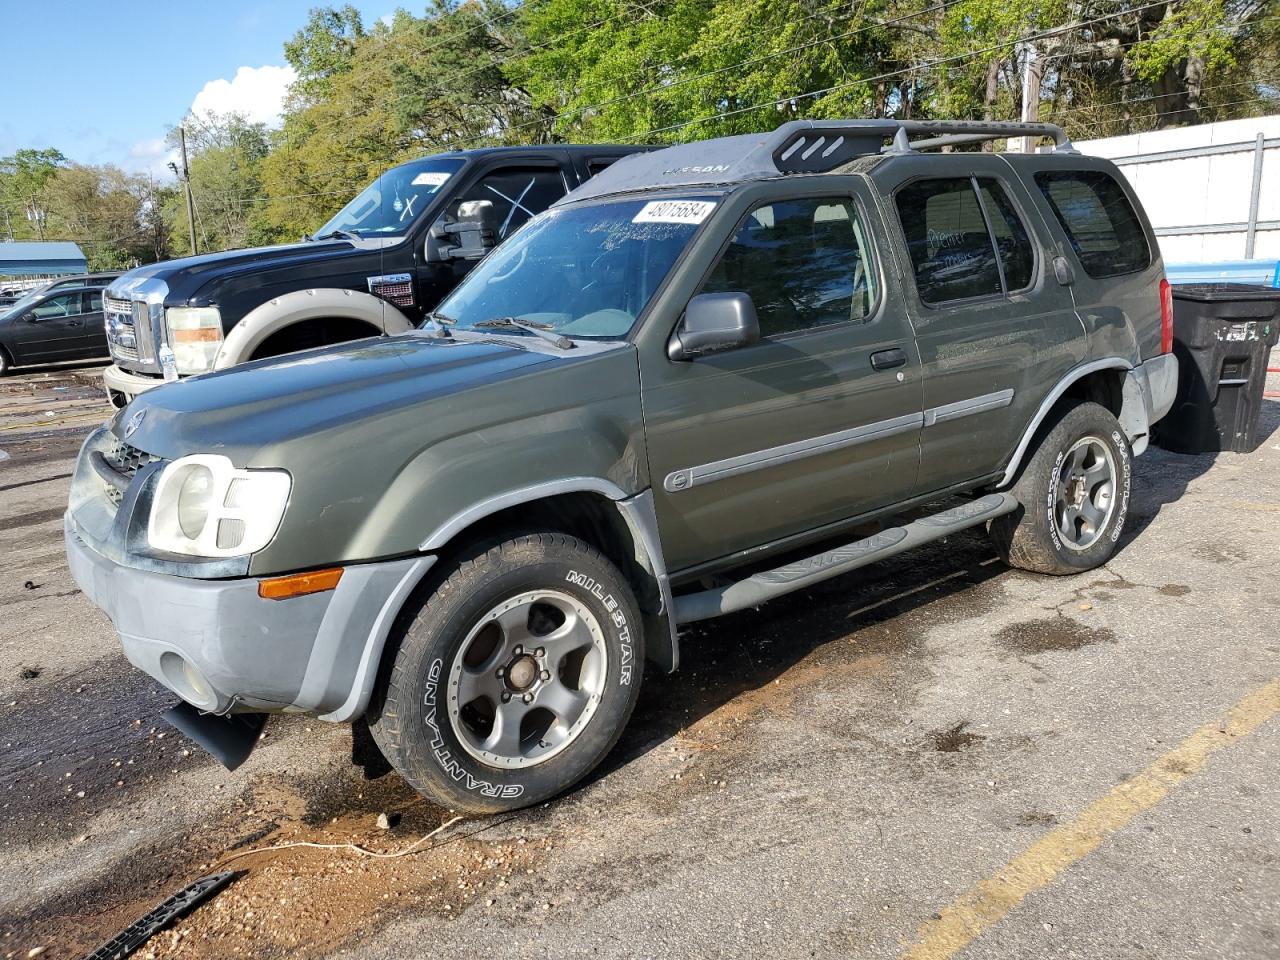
(322,50)
(23,178)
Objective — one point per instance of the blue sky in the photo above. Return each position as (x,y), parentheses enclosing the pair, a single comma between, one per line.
(102,81)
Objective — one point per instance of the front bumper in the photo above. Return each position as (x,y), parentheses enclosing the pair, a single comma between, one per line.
(122,386)
(221,647)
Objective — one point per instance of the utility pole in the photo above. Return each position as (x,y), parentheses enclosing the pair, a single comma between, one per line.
(1032,71)
(186,181)
(37,215)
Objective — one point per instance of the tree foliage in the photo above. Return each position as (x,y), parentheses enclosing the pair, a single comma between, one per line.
(467,73)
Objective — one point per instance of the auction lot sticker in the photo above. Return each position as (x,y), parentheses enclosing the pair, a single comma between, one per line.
(674,211)
(431,178)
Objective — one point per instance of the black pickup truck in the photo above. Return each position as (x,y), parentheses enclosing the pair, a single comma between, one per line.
(377,267)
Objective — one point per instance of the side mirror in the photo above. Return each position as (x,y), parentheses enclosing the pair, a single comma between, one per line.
(30,317)
(713,323)
(470,233)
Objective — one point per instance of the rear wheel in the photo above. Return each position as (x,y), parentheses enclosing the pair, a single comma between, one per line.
(1074,491)
(515,678)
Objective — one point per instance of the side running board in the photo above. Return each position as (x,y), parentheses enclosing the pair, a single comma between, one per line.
(768,584)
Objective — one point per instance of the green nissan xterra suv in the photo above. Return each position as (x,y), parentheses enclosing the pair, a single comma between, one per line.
(675,394)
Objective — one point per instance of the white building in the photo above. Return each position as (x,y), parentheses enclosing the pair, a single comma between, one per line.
(1212,191)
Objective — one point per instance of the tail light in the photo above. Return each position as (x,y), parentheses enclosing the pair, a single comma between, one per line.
(1166,317)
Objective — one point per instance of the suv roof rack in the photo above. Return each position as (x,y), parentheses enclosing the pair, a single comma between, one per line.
(801,146)
(816,146)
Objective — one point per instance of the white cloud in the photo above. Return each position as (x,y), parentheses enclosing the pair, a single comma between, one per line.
(151,156)
(256,92)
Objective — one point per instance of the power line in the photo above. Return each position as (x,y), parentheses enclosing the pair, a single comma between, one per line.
(1042,35)
(681,81)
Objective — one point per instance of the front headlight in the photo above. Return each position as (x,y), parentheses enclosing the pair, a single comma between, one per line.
(195,336)
(205,507)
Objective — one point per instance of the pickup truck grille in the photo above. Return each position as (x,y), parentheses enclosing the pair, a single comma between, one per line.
(128,329)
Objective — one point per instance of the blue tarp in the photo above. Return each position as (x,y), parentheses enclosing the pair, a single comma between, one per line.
(41,259)
(1264,273)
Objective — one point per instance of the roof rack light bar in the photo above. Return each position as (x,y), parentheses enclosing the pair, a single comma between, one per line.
(817,146)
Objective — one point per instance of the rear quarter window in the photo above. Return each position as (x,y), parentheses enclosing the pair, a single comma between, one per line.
(1098,219)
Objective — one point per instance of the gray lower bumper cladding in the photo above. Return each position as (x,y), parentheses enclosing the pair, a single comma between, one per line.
(223,649)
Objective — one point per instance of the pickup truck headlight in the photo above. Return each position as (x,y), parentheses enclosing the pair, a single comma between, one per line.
(205,507)
(195,336)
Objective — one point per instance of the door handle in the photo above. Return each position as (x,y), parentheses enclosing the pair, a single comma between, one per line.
(888,359)
(74,323)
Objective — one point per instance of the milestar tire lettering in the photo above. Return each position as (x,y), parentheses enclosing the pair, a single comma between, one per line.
(615,614)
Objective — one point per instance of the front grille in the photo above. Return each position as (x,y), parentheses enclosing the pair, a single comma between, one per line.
(128,325)
(128,460)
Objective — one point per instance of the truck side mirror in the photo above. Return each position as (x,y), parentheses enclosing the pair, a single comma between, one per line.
(713,323)
(468,234)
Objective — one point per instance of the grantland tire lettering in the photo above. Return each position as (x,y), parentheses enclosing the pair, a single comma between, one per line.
(1126,470)
(615,614)
(442,754)
(1054,473)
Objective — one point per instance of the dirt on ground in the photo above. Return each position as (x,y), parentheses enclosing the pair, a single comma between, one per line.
(823,775)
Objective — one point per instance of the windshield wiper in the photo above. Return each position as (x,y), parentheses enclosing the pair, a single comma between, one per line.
(336,235)
(537,329)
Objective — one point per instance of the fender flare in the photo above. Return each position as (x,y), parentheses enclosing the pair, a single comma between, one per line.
(637,512)
(287,309)
(1127,418)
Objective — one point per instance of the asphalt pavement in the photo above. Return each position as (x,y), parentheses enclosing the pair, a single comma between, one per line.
(934,757)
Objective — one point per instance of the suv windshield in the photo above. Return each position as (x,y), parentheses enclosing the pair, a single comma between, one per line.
(393,202)
(580,271)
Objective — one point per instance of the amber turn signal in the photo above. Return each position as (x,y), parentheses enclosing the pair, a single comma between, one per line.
(299,584)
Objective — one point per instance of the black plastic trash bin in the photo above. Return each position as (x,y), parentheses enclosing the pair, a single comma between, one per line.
(1222,335)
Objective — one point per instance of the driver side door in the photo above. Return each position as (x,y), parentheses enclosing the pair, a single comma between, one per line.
(51,330)
(818,421)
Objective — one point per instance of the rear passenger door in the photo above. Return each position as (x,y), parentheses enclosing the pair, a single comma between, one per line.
(992,324)
(753,445)
(1113,253)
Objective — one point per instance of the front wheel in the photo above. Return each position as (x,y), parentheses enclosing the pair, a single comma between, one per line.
(515,678)
(1074,492)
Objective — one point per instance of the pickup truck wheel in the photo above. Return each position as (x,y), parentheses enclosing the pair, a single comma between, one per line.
(515,677)
(1074,492)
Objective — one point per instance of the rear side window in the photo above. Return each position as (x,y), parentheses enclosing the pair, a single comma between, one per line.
(1098,219)
(948,240)
(1017,258)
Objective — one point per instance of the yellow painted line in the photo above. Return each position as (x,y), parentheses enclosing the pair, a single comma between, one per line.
(983,906)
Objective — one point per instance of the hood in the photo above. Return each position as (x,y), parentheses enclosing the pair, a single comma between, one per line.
(265,403)
(184,277)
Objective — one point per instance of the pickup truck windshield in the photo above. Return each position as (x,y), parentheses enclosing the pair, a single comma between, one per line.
(581,271)
(391,204)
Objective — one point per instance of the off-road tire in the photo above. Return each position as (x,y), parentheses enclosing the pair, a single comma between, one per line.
(410,718)
(1029,538)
